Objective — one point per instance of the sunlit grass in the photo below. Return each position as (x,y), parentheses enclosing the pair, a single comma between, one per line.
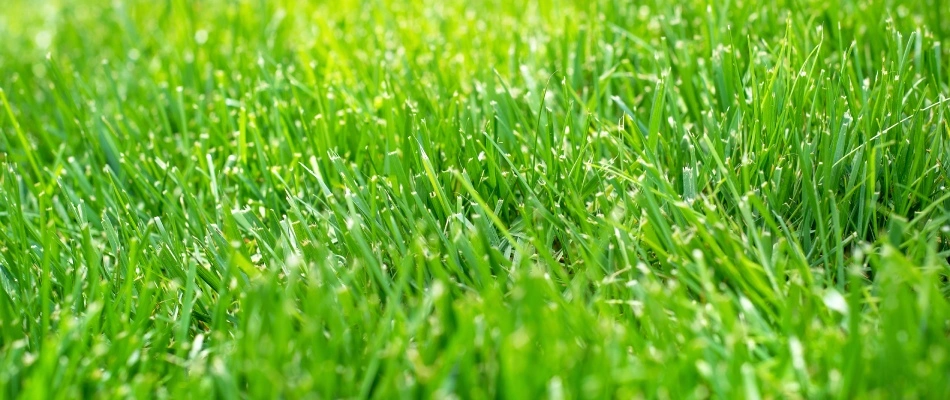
(479,199)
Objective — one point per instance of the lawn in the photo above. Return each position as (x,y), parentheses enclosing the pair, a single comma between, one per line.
(474,199)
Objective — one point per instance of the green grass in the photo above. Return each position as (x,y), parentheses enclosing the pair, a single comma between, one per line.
(474,199)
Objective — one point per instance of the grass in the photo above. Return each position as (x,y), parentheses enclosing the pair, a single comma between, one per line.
(474,199)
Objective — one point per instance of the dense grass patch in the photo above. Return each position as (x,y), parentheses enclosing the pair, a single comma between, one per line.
(481,199)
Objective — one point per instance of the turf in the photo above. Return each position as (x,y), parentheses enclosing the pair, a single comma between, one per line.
(474,199)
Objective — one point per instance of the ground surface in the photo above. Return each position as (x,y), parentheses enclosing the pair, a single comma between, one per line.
(516,199)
